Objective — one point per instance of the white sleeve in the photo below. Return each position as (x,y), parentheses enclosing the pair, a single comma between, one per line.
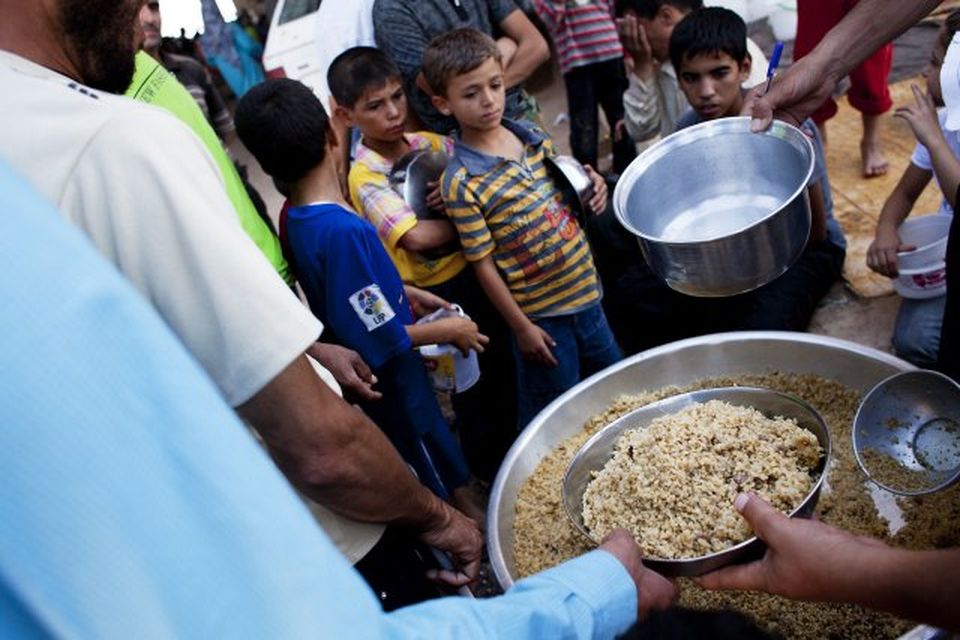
(150,197)
(641,108)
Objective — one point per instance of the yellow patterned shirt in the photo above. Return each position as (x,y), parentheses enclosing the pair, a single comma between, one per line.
(386,210)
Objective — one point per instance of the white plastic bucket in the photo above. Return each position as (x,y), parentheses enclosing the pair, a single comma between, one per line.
(449,370)
(926,282)
(929,235)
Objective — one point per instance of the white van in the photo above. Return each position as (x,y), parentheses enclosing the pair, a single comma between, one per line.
(306,35)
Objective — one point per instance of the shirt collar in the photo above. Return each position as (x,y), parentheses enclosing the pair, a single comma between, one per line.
(376,162)
(477,162)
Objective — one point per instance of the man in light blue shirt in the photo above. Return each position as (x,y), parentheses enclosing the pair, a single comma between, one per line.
(135,505)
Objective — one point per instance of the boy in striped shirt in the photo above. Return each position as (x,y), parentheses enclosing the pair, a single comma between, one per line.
(588,49)
(529,254)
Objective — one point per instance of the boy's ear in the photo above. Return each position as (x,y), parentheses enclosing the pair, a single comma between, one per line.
(668,14)
(333,139)
(745,68)
(341,113)
(441,105)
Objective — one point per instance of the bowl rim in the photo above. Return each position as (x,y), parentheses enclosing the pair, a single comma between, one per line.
(939,265)
(821,467)
(877,389)
(703,130)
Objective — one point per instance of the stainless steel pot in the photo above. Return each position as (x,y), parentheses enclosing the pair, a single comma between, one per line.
(719,210)
(678,363)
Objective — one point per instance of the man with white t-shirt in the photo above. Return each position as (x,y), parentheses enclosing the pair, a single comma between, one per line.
(160,214)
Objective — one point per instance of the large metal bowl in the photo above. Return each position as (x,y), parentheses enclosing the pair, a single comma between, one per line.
(679,363)
(719,210)
(597,451)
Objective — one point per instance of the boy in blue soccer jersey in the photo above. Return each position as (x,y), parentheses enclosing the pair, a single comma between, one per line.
(352,285)
(515,227)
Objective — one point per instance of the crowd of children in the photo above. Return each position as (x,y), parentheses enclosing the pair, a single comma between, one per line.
(537,287)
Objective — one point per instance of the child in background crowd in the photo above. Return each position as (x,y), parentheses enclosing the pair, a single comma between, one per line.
(653,101)
(591,61)
(916,335)
(368,90)
(351,284)
(529,254)
(709,52)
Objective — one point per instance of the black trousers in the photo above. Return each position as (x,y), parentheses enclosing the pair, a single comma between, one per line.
(486,414)
(600,84)
(644,312)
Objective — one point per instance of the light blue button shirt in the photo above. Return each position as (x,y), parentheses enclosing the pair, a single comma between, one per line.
(133,504)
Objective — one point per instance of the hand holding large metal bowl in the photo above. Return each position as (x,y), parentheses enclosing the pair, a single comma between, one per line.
(719,210)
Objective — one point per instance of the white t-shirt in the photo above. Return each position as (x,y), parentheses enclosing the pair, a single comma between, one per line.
(921,157)
(145,191)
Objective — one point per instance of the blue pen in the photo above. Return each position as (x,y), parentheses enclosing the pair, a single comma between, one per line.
(774,63)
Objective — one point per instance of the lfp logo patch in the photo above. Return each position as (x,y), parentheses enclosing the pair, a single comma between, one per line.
(372,307)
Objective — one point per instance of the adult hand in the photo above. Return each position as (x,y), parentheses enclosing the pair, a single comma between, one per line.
(805,559)
(461,539)
(348,368)
(423,302)
(633,37)
(653,590)
(794,95)
(882,254)
(922,117)
(598,202)
(535,345)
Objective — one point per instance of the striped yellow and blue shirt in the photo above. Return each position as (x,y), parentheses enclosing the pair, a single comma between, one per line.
(514,211)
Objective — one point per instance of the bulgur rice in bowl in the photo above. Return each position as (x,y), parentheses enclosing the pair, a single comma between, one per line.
(668,473)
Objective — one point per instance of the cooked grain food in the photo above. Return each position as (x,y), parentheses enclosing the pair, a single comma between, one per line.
(672,483)
(544,537)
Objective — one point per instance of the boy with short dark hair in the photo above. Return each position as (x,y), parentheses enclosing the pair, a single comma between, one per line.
(529,254)
(350,282)
(708,50)
(653,102)
(368,90)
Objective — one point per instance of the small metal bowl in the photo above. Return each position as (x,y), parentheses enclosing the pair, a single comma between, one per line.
(595,453)
(574,181)
(410,176)
(906,433)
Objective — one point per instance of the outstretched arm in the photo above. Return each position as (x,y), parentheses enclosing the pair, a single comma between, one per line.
(882,254)
(809,560)
(340,459)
